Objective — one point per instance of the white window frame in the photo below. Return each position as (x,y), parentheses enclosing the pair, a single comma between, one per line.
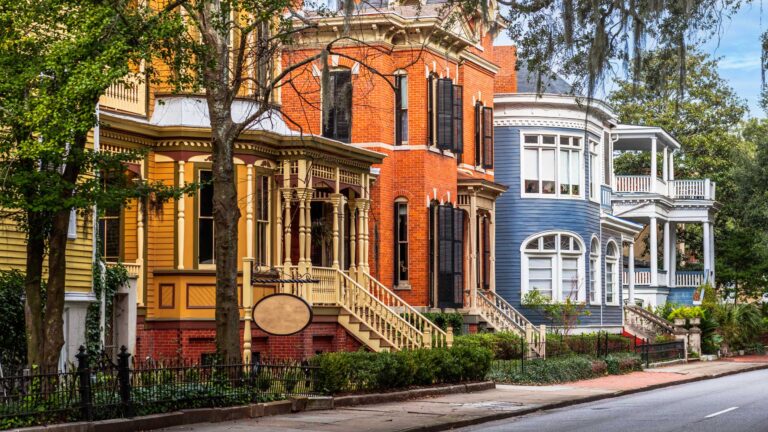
(612,261)
(557,148)
(595,173)
(557,263)
(594,272)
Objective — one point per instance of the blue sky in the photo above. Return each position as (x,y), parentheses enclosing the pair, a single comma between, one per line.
(738,51)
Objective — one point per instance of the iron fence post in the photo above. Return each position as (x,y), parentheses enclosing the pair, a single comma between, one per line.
(84,377)
(124,381)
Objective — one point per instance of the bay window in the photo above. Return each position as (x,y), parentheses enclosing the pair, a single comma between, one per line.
(552,264)
(552,165)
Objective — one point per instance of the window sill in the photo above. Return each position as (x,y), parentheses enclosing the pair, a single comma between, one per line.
(446,153)
(403,286)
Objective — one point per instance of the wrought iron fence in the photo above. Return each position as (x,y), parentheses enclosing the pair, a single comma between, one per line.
(667,351)
(97,390)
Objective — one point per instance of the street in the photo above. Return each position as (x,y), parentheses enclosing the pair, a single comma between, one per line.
(734,403)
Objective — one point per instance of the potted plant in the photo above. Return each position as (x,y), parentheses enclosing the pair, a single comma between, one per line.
(694,321)
(679,322)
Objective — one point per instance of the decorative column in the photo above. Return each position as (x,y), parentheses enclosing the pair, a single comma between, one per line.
(308,193)
(249,212)
(474,281)
(287,198)
(247,309)
(492,236)
(352,239)
(712,252)
(302,233)
(362,236)
(707,251)
(672,166)
(653,246)
(665,166)
(336,203)
(180,221)
(654,168)
(140,245)
(278,229)
(672,272)
(631,273)
(666,240)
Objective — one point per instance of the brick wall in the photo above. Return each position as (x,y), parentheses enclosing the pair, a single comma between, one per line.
(506,79)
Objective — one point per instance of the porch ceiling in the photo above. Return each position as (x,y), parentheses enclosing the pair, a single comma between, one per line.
(639,138)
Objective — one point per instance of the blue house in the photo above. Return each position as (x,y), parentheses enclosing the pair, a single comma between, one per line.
(568,226)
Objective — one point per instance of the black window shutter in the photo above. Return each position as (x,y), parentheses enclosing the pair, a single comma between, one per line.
(444,114)
(458,120)
(486,253)
(342,100)
(487,137)
(458,257)
(478,134)
(430,110)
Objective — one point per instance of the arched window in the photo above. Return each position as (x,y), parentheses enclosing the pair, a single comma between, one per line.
(553,265)
(594,271)
(401,242)
(611,274)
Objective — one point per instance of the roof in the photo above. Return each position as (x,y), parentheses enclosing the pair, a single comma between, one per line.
(633,137)
(526,82)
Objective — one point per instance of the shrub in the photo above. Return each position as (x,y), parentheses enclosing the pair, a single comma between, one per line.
(549,371)
(447,319)
(13,344)
(504,345)
(365,371)
(621,363)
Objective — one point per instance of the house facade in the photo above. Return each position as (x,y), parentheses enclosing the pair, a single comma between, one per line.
(570,222)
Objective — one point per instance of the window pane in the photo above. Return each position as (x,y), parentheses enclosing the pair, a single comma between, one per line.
(112,239)
(403,262)
(548,171)
(205,241)
(570,278)
(531,139)
(403,91)
(532,245)
(565,242)
(206,194)
(564,176)
(540,275)
(575,170)
(531,170)
(404,125)
(549,242)
(548,139)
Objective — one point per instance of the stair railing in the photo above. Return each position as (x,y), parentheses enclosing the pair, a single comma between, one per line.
(439,337)
(504,317)
(647,322)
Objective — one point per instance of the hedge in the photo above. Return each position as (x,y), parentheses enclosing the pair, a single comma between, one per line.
(344,372)
(622,363)
(504,345)
(563,369)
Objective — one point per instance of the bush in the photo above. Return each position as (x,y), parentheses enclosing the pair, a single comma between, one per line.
(447,319)
(622,363)
(548,371)
(503,345)
(366,371)
(13,344)
(586,344)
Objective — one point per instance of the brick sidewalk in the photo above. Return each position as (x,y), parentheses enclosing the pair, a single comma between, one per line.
(456,410)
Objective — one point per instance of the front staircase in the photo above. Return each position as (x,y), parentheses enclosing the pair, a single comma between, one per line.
(370,311)
(645,325)
(502,316)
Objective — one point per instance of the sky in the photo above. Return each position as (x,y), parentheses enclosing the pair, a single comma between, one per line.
(738,50)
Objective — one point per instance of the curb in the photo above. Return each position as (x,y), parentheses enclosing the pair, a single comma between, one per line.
(567,403)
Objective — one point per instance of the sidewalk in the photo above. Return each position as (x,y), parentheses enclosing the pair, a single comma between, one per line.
(456,410)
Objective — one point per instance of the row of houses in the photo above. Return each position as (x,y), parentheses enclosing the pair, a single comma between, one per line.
(461,191)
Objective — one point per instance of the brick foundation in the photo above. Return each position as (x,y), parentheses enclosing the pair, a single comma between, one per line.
(189,340)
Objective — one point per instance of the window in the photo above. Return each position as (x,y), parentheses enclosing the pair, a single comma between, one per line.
(484,252)
(401,242)
(444,115)
(594,171)
(109,235)
(611,274)
(549,161)
(594,272)
(447,224)
(262,220)
(552,265)
(483,136)
(337,122)
(401,109)
(205,218)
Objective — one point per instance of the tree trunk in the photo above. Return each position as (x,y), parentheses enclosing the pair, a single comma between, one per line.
(33,306)
(53,320)
(226,215)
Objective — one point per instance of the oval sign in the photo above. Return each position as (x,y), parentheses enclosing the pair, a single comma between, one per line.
(282,314)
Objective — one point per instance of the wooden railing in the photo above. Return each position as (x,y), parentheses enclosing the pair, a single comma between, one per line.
(504,317)
(633,184)
(644,323)
(379,317)
(689,279)
(133,269)
(324,292)
(642,278)
(414,318)
(693,189)
(129,96)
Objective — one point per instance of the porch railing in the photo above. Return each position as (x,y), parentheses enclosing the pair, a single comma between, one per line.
(633,184)
(693,189)
(394,302)
(129,95)
(689,278)
(680,189)
(644,277)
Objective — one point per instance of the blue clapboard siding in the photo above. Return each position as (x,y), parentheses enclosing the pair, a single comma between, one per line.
(683,296)
(518,218)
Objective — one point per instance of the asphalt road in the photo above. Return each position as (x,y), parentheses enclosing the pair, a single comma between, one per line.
(737,403)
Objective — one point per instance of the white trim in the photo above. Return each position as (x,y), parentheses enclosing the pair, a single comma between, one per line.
(615,262)
(556,148)
(556,257)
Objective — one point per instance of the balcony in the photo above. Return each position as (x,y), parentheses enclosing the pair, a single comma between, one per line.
(682,279)
(676,189)
(129,96)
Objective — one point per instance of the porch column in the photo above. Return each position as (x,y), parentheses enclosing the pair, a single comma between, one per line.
(249,212)
(302,233)
(352,239)
(336,202)
(653,246)
(362,236)
(666,240)
(712,252)
(672,166)
(654,168)
(672,271)
(631,274)
(140,246)
(474,281)
(665,167)
(278,206)
(492,236)
(707,250)
(247,308)
(180,221)
(287,195)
